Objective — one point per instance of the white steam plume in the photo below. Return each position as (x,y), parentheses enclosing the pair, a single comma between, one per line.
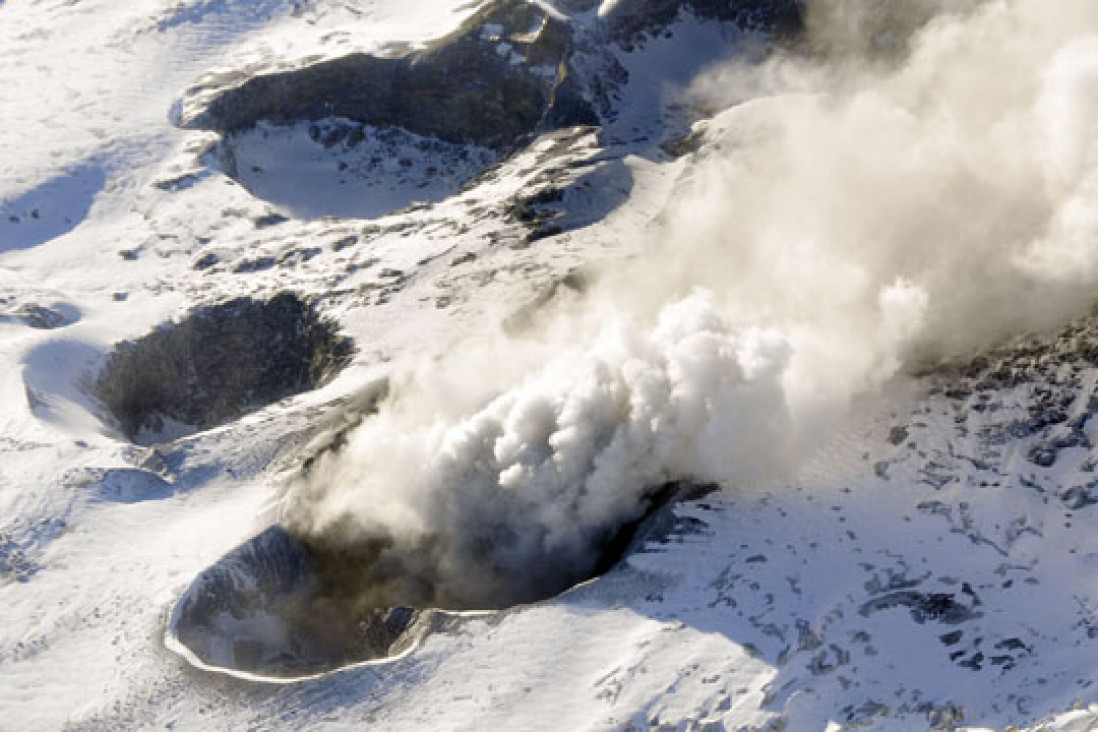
(920,183)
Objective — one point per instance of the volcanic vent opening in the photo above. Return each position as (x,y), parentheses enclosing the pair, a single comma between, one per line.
(283,606)
(217,364)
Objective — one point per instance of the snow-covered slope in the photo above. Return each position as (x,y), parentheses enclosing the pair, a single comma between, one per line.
(926,564)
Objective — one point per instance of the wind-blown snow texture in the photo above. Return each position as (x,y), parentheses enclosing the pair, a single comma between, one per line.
(809,252)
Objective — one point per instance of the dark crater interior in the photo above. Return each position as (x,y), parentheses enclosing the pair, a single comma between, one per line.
(285,606)
(218,363)
(490,83)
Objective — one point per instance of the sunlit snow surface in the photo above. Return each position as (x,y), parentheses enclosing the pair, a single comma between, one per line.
(363,172)
(834,595)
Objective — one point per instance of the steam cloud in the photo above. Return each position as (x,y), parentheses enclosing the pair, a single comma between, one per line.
(917,181)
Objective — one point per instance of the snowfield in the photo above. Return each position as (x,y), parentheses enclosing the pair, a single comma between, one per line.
(893,535)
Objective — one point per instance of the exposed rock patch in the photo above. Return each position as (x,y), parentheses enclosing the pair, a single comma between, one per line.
(500,77)
(218,363)
(564,201)
(41,317)
(939,606)
(628,20)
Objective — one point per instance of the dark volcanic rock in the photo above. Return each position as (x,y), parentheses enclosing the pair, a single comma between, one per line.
(1080,496)
(629,19)
(266,608)
(218,363)
(1043,457)
(500,77)
(938,606)
(47,318)
(898,435)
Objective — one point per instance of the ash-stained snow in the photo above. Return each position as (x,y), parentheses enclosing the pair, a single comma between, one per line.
(929,567)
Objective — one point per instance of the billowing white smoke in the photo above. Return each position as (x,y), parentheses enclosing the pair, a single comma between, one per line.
(516,497)
(922,183)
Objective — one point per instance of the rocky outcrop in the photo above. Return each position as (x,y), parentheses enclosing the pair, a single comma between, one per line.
(628,20)
(219,363)
(41,317)
(504,74)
